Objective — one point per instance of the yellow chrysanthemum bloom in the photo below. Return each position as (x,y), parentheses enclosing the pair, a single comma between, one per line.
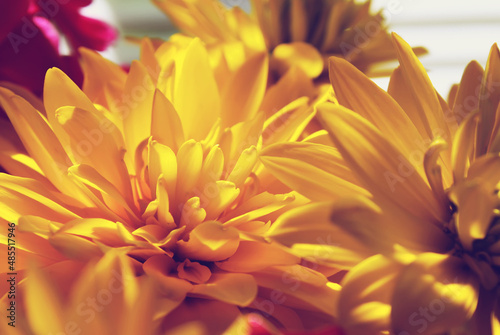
(429,223)
(142,200)
(301,33)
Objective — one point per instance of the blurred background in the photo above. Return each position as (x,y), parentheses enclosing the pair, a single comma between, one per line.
(454,31)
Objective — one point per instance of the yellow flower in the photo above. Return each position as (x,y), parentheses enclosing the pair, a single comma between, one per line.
(429,225)
(142,200)
(296,33)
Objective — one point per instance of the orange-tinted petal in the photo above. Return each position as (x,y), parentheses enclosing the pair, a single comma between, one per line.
(210,241)
(233,288)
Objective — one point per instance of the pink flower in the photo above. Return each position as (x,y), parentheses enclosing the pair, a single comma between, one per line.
(29,39)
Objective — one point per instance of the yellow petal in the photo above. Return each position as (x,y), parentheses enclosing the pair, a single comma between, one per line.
(309,232)
(288,123)
(26,196)
(218,197)
(433,170)
(165,218)
(192,213)
(100,74)
(162,161)
(364,303)
(101,230)
(210,241)
(315,293)
(193,74)
(299,22)
(257,207)
(189,163)
(110,197)
(333,24)
(254,256)
(384,227)
(14,156)
(233,288)
(148,57)
(358,93)
(75,247)
(68,94)
(212,168)
(40,142)
(135,109)
(378,164)
(292,85)
(300,54)
(467,100)
(489,101)
(194,272)
(314,170)
(201,317)
(243,92)
(476,203)
(95,146)
(239,137)
(434,294)
(463,147)
(43,304)
(245,164)
(424,95)
(166,127)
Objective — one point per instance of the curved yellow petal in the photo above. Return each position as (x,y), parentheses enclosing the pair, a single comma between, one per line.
(194,272)
(210,241)
(300,54)
(43,304)
(233,288)
(316,293)
(243,92)
(314,170)
(193,74)
(100,74)
(166,126)
(40,142)
(424,95)
(94,146)
(254,256)
(476,203)
(162,162)
(489,102)
(137,97)
(463,147)
(309,232)
(358,93)
(189,164)
(378,164)
(364,302)
(467,99)
(434,294)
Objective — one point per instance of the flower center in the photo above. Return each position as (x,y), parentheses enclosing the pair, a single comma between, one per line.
(483,255)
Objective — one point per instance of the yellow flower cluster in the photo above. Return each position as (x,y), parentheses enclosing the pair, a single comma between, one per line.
(222,185)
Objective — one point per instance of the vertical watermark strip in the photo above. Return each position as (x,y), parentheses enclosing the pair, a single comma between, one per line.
(11,274)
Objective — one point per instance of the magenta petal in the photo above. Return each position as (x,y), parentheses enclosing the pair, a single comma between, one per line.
(74,4)
(84,31)
(94,34)
(48,30)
